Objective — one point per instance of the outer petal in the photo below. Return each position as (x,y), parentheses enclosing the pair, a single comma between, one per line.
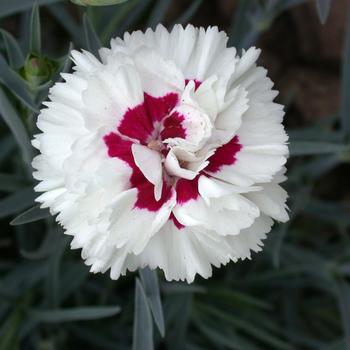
(250,239)
(261,135)
(226,214)
(181,253)
(110,93)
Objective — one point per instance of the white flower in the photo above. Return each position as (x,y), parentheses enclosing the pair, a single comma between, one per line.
(168,153)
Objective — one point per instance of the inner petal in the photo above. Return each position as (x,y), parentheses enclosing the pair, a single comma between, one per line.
(188,125)
(149,162)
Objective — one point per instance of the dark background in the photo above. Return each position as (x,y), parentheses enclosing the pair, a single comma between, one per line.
(293,295)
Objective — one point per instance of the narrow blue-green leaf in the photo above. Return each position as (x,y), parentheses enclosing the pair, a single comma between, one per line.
(16,126)
(256,331)
(46,248)
(122,15)
(22,277)
(31,215)
(66,62)
(190,12)
(15,84)
(345,102)
(150,284)
(35,31)
(303,148)
(53,278)
(94,337)
(7,146)
(240,25)
(64,66)
(177,321)
(14,52)
(17,202)
(75,314)
(339,344)
(97,2)
(74,276)
(240,298)
(343,291)
(92,40)
(219,335)
(67,20)
(159,10)
(136,12)
(181,288)
(329,211)
(323,8)
(9,7)
(10,183)
(143,326)
(10,328)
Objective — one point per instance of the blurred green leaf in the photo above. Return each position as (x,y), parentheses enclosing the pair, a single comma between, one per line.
(53,278)
(316,168)
(22,277)
(126,10)
(240,25)
(177,323)
(9,7)
(35,31)
(67,20)
(64,63)
(17,201)
(216,332)
(16,84)
(159,10)
(302,148)
(337,345)
(10,183)
(345,101)
(94,337)
(92,40)
(242,299)
(247,326)
(97,2)
(323,8)
(331,211)
(189,13)
(7,146)
(14,52)
(16,126)
(179,288)
(73,277)
(11,327)
(74,314)
(31,215)
(46,248)
(150,284)
(143,326)
(343,291)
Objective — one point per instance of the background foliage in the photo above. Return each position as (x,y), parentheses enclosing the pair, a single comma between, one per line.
(293,295)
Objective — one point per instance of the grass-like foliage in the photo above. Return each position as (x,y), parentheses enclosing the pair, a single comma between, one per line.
(293,295)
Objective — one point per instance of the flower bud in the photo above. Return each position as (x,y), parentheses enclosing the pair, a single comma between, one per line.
(37,70)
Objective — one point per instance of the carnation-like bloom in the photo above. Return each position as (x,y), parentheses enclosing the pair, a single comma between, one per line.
(166,153)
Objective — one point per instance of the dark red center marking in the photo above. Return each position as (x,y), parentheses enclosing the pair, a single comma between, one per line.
(120,148)
(224,155)
(172,127)
(139,123)
(197,83)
